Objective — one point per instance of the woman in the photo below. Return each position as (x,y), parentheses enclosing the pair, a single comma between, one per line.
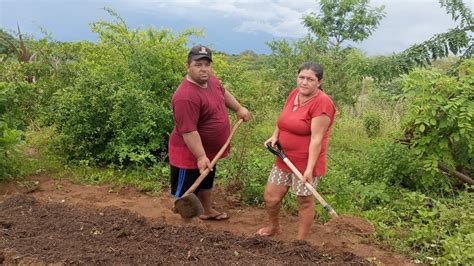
(303,133)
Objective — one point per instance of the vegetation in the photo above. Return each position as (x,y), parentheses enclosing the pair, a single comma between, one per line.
(344,20)
(401,151)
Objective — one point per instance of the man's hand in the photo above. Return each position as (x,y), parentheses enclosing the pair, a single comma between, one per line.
(203,163)
(243,113)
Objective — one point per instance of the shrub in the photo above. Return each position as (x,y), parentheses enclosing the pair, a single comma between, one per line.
(432,230)
(8,156)
(17,104)
(372,124)
(438,123)
(117,111)
(396,165)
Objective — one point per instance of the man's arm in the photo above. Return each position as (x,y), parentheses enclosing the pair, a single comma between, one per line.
(235,106)
(194,143)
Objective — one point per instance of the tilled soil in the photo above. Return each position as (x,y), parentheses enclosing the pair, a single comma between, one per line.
(57,221)
(34,232)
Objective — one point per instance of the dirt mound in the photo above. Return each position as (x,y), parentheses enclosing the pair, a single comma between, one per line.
(355,225)
(36,232)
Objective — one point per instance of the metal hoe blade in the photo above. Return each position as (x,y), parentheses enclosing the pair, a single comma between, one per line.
(189,206)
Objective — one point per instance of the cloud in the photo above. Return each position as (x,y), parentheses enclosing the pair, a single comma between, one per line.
(228,23)
(406,23)
(279,18)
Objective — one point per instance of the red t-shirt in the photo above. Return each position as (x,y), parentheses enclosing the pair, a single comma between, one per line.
(295,131)
(201,109)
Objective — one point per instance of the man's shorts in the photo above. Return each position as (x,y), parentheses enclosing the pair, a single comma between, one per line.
(283,178)
(182,179)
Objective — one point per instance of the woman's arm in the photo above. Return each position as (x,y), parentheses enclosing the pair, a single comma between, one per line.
(274,138)
(319,125)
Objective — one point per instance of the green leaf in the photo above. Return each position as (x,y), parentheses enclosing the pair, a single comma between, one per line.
(421,128)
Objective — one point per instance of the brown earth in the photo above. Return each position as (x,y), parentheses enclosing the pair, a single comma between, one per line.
(57,221)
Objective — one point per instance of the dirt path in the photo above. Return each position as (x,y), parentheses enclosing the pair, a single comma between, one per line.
(244,222)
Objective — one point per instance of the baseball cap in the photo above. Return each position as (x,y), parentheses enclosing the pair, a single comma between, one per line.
(199,52)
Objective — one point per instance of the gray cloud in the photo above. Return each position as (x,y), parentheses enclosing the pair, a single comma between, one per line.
(229,21)
(407,21)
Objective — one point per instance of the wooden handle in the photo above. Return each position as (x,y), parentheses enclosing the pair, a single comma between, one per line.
(326,206)
(214,161)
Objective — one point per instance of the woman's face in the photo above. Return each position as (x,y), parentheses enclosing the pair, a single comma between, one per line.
(307,82)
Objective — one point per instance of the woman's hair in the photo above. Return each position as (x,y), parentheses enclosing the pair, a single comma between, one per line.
(316,68)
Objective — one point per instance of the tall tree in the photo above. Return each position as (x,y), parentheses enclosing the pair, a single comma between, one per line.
(457,41)
(344,20)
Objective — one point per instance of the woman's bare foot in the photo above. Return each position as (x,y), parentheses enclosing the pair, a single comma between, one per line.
(269,231)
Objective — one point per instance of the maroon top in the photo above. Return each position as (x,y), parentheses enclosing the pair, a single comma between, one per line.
(201,109)
(295,131)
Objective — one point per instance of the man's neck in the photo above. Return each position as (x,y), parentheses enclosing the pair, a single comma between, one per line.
(194,82)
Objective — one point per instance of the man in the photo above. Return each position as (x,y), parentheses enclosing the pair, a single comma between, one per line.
(201,128)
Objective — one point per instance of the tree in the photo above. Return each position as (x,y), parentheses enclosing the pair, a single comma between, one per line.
(456,41)
(343,68)
(339,21)
(343,20)
(249,53)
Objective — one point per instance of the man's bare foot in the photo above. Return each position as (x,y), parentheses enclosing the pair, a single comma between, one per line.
(268,231)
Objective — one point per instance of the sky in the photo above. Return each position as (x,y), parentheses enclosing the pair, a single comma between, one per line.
(231,26)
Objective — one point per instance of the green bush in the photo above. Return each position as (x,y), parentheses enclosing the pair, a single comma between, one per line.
(117,110)
(372,124)
(396,165)
(245,172)
(9,159)
(438,122)
(16,112)
(431,230)
(17,104)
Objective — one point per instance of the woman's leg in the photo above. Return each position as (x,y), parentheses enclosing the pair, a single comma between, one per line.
(305,215)
(273,195)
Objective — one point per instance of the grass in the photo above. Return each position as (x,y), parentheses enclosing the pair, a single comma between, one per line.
(39,158)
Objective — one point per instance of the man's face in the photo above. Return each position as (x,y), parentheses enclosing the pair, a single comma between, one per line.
(200,70)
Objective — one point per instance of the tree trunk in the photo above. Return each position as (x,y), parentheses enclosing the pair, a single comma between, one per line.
(466,179)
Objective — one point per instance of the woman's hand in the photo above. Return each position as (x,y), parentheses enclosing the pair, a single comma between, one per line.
(308,176)
(272,140)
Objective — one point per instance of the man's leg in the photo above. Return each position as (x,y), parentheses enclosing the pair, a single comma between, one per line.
(305,215)
(273,195)
(205,195)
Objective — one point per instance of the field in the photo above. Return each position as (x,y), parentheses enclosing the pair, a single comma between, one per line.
(57,221)
(85,126)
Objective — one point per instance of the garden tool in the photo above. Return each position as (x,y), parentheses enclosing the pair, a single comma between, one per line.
(189,205)
(279,152)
